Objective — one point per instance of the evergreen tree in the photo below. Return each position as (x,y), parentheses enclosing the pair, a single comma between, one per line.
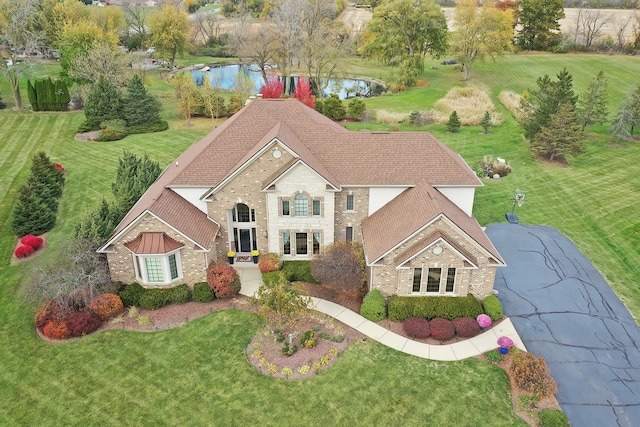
(486,122)
(592,107)
(550,97)
(103,103)
(46,181)
(31,215)
(356,108)
(62,95)
(560,138)
(2,104)
(628,116)
(453,125)
(33,99)
(98,224)
(331,107)
(140,107)
(133,178)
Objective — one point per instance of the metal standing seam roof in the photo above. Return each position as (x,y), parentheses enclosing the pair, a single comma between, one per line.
(153,243)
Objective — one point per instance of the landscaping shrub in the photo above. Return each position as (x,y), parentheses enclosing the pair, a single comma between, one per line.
(401,308)
(131,294)
(31,240)
(492,307)
(111,135)
(148,128)
(553,418)
(298,271)
(48,312)
(466,327)
(289,350)
(272,277)
(309,339)
(178,294)
(106,305)
(223,280)
(23,251)
(153,299)
(341,265)
(269,262)
(530,373)
(373,306)
(483,320)
(493,356)
(442,329)
(56,329)
(83,322)
(417,327)
(202,292)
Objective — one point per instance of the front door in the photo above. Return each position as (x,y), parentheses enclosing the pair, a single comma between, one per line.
(244,238)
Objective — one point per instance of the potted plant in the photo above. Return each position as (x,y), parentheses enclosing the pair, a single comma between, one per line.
(231,255)
(505,344)
(255,254)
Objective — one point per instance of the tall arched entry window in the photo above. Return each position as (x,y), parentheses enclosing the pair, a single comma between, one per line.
(243,224)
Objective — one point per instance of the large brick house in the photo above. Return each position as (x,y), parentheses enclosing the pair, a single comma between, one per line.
(280,177)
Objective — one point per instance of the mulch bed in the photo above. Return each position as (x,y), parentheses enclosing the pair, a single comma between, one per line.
(351,300)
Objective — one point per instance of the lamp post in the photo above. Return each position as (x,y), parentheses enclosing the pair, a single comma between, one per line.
(519,200)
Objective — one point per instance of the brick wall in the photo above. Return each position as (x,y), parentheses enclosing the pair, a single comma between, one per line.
(354,218)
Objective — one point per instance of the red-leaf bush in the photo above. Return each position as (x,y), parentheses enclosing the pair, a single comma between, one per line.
(223,279)
(442,329)
(82,322)
(24,251)
(48,312)
(56,329)
(466,327)
(59,167)
(31,240)
(303,93)
(269,262)
(417,327)
(106,305)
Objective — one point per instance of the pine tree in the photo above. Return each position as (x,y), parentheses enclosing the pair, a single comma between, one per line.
(32,95)
(98,224)
(2,104)
(140,107)
(560,138)
(356,108)
(591,107)
(103,103)
(486,122)
(550,97)
(453,125)
(628,117)
(31,215)
(46,181)
(133,178)
(332,107)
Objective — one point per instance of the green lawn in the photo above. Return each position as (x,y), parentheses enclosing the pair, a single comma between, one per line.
(198,374)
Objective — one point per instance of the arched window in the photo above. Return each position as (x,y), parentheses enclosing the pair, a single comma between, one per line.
(242,213)
(301,205)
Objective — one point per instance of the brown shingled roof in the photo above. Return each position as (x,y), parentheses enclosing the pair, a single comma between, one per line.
(153,243)
(411,211)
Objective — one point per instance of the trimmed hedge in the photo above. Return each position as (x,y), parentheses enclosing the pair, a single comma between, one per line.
(298,271)
(417,327)
(202,292)
(131,294)
(401,308)
(153,299)
(373,306)
(492,307)
(153,127)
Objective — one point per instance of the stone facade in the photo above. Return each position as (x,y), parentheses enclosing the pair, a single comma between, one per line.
(390,279)
(121,260)
(351,218)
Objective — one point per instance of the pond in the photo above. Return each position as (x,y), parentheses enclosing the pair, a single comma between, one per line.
(224,76)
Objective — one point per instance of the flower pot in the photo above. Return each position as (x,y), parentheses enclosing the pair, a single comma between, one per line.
(504,350)
(231,259)
(255,259)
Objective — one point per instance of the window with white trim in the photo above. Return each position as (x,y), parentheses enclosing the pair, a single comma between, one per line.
(350,202)
(159,269)
(286,243)
(437,281)
(301,205)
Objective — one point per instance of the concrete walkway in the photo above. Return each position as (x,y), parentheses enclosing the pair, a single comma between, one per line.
(251,280)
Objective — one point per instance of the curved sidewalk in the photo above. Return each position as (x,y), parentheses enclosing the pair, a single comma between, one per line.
(251,280)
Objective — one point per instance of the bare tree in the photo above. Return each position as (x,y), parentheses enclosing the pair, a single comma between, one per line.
(206,26)
(17,20)
(287,18)
(258,45)
(73,278)
(592,22)
(621,28)
(136,19)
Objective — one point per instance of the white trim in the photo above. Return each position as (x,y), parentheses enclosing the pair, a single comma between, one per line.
(139,218)
(250,160)
(441,241)
(166,268)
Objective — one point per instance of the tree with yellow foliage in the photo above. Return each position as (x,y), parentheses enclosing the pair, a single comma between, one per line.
(169,32)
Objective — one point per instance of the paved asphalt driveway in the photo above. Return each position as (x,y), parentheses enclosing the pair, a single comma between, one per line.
(566,312)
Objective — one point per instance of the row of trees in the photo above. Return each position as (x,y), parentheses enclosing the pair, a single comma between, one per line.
(45,95)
